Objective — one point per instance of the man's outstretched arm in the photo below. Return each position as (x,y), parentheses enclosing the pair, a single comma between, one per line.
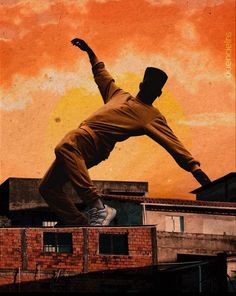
(201,177)
(104,80)
(160,132)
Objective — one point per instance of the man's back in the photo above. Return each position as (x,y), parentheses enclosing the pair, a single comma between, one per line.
(123,116)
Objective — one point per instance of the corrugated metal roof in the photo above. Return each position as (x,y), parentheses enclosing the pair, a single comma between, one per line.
(170,201)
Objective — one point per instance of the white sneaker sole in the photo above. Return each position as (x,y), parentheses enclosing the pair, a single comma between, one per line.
(111,213)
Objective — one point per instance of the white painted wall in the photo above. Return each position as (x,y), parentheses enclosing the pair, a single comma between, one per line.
(193,223)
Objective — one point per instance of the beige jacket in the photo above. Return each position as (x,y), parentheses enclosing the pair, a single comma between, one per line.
(123,116)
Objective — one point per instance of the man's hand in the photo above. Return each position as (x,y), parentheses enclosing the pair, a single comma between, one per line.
(84,46)
(201,177)
(81,44)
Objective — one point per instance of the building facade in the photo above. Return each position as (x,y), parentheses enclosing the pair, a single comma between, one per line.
(28,254)
(146,232)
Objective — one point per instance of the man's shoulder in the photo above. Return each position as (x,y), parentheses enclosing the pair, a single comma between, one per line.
(157,116)
(122,94)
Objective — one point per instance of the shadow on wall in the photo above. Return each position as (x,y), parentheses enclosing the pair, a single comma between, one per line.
(201,276)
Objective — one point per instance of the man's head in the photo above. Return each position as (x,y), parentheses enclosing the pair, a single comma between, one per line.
(153,81)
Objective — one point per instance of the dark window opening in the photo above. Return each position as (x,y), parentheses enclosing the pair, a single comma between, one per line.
(113,244)
(59,242)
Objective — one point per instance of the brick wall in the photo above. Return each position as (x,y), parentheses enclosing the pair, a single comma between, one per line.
(10,248)
(22,257)
(139,245)
(53,261)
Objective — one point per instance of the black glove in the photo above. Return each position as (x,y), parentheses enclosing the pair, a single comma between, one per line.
(201,177)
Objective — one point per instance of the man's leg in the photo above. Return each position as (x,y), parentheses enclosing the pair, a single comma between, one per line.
(77,152)
(51,189)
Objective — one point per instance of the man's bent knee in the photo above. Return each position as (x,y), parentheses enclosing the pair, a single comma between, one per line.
(63,148)
(59,148)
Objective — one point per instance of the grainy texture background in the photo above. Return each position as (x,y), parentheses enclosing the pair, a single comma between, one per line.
(47,86)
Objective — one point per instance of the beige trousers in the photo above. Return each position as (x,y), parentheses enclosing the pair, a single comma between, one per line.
(75,154)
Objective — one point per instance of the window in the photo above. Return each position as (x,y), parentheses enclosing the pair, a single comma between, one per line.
(113,244)
(49,223)
(59,242)
(174,223)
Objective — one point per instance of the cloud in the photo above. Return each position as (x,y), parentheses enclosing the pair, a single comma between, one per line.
(187,66)
(49,80)
(44,59)
(42,31)
(40,6)
(160,2)
(9,102)
(210,119)
(189,5)
(187,31)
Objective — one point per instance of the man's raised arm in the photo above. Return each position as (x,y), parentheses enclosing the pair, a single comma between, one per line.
(103,79)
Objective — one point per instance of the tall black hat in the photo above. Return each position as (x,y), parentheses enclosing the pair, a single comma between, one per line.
(156,76)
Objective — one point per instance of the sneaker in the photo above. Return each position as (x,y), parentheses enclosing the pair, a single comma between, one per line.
(101,217)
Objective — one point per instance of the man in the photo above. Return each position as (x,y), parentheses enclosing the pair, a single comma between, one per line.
(121,117)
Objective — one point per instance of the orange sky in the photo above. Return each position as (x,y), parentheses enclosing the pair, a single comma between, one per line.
(47,87)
